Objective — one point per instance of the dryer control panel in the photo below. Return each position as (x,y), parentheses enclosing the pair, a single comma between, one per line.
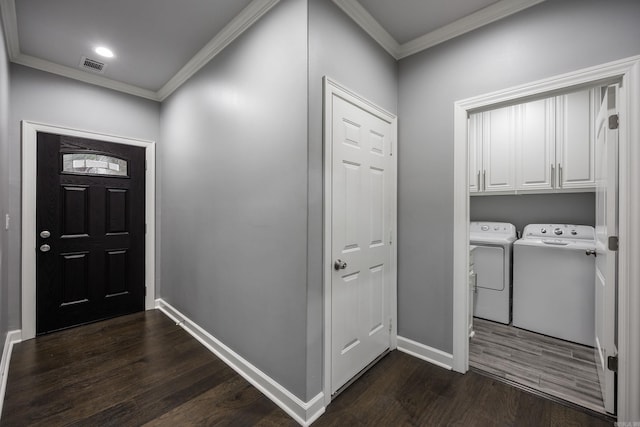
(491,227)
(481,230)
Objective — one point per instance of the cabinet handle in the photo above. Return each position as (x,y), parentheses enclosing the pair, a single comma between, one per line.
(484,179)
(553,176)
(478,179)
(559,175)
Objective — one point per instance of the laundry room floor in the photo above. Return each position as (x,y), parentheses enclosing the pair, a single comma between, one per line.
(553,366)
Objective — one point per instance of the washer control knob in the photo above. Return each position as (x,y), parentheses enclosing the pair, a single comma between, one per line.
(543,230)
(557,232)
(485,228)
(574,232)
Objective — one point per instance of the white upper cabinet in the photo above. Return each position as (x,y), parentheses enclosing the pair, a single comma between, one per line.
(575,140)
(475,153)
(540,146)
(535,145)
(498,149)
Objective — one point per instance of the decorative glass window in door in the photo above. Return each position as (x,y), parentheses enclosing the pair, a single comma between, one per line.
(93,164)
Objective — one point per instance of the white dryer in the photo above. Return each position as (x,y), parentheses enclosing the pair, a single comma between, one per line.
(492,265)
(554,281)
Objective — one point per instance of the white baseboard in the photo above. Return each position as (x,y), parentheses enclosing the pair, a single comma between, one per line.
(426,353)
(303,412)
(13,337)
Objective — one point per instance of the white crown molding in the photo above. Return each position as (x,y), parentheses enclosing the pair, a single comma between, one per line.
(247,17)
(368,23)
(471,22)
(484,16)
(10,25)
(77,74)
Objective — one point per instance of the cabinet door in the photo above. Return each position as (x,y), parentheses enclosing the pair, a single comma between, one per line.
(498,146)
(535,152)
(475,152)
(575,140)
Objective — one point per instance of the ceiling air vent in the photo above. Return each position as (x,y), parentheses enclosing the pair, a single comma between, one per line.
(92,65)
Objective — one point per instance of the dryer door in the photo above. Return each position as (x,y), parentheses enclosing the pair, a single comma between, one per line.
(489,267)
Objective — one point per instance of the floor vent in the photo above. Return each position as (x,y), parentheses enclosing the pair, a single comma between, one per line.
(92,65)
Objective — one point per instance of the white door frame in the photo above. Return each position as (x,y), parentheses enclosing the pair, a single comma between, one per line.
(332,88)
(29,172)
(626,71)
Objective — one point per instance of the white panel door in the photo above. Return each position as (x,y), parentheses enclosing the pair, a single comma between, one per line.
(498,145)
(575,140)
(536,145)
(475,153)
(606,260)
(361,190)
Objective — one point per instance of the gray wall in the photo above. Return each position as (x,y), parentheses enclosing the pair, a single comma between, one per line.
(523,209)
(54,100)
(234,200)
(548,39)
(340,49)
(253,177)
(4,188)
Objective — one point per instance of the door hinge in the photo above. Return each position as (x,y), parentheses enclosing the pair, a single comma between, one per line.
(390,325)
(145,164)
(612,363)
(390,237)
(614,121)
(613,243)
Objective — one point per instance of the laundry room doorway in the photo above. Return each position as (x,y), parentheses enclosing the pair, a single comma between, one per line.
(626,72)
(534,322)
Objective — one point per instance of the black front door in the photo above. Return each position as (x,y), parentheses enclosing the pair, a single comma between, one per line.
(90,231)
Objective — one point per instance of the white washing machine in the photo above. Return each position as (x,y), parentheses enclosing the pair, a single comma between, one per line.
(492,265)
(554,281)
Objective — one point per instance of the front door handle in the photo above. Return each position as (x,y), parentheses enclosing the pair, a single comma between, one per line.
(339,264)
(45,248)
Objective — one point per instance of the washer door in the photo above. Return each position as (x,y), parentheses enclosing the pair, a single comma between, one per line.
(489,266)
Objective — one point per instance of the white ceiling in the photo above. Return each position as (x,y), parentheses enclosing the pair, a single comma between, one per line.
(405,27)
(159,44)
(419,17)
(151,43)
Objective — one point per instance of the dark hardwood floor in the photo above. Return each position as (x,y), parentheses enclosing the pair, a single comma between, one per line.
(142,369)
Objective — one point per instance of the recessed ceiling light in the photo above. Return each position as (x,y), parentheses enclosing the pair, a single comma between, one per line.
(103,51)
